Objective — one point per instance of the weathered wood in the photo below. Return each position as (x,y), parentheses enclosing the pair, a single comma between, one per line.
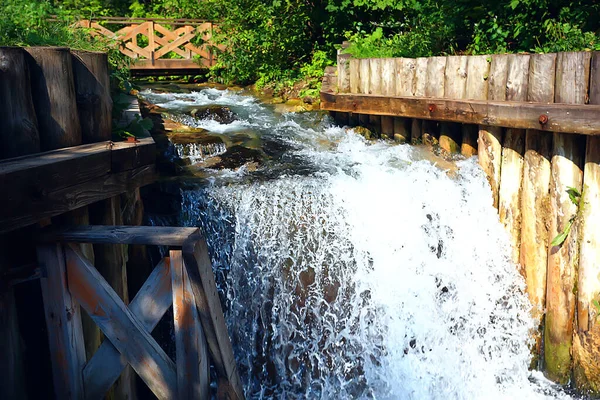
(535,200)
(572,77)
(19,133)
(149,305)
(567,118)
(509,203)
(401,129)
(421,76)
(436,68)
(387,127)
(470,134)
(55,202)
(586,341)
(455,80)
(416,131)
(199,269)
(53,92)
(450,137)
(498,77)
(478,68)
(111,262)
(375,124)
(405,86)
(120,326)
(63,320)
(365,76)
(192,353)
(375,77)
(343,70)
(388,76)
(92,89)
(355,75)
(12,377)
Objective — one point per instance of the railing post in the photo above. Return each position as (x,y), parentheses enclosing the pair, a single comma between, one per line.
(151,40)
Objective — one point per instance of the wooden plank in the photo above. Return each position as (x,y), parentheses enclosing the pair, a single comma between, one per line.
(572,77)
(375,77)
(568,118)
(63,321)
(167,64)
(455,81)
(180,41)
(199,269)
(498,77)
(149,305)
(354,75)
(421,76)
(148,235)
(49,204)
(365,75)
(121,326)
(406,81)
(478,68)
(191,350)
(509,204)
(416,131)
(126,156)
(388,76)
(586,351)
(535,198)
(435,77)
(343,70)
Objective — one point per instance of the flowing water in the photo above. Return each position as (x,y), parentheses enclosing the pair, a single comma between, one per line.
(354,269)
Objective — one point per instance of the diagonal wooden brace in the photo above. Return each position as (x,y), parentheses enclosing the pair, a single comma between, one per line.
(149,305)
(125,331)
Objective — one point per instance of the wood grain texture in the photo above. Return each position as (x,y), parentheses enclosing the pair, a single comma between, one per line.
(586,349)
(568,118)
(354,75)
(375,76)
(455,81)
(149,305)
(199,269)
(478,68)
(191,348)
(53,92)
(63,321)
(421,76)
(19,133)
(498,77)
(92,90)
(343,71)
(435,77)
(365,76)
(121,326)
(571,87)
(388,76)
(405,80)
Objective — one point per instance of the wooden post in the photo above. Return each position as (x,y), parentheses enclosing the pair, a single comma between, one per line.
(388,88)
(343,70)
(111,262)
(92,89)
(455,85)
(355,75)
(53,92)
(405,86)
(572,76)
(476,88)
(375,76)
(535,200)
(193,377)
(509,202)
(434,87)
(19,133)
(63,320)
(586,342)
(364,75)
(416,131)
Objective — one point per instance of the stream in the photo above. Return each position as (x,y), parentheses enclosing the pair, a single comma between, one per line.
(350,269)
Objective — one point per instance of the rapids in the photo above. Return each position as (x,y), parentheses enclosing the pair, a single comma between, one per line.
(355,269)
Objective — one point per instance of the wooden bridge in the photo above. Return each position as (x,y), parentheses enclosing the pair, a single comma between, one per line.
(160,45)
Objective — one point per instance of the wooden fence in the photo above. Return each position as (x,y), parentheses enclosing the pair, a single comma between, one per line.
(534,121)
(151,44)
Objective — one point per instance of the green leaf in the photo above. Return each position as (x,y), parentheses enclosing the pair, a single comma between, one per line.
(596,305)
(560,238)
(574,195)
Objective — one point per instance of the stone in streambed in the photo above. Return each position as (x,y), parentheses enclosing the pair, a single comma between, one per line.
(221,114)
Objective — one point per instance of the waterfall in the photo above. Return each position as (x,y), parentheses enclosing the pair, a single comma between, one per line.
(351,269)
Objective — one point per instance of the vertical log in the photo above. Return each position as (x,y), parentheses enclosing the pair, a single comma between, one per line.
(343,69)
(91,333)
(111,263)
(375,77)
(355,75)
(405,86)
(53,91)
(364,75)
(476,89)
(421,76)
(19,134)
(63,319)
(416,131)
(375,124)
(92,89)
(455,85)
(586,342)
(388,88)
(572,76)
(509,202)
(535,200)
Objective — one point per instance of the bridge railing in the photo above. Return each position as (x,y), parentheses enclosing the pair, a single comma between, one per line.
(151,43)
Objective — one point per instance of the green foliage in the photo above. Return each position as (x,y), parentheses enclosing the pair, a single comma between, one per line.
(575,197)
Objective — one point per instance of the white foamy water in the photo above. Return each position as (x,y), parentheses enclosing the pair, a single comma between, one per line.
(199,152)
(362,270)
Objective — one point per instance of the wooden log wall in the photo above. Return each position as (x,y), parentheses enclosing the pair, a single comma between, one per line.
(51,98)
(530,166)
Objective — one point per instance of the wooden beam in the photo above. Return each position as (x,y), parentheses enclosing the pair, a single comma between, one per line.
(149,306)
(567,118)
(149,235)
(63,321)
(118,323)
(193,367)
(202,280)
(165,64)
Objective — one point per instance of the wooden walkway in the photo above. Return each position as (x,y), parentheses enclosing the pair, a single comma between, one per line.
(158,45)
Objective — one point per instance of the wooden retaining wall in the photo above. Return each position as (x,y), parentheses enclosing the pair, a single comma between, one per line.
(534,121)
